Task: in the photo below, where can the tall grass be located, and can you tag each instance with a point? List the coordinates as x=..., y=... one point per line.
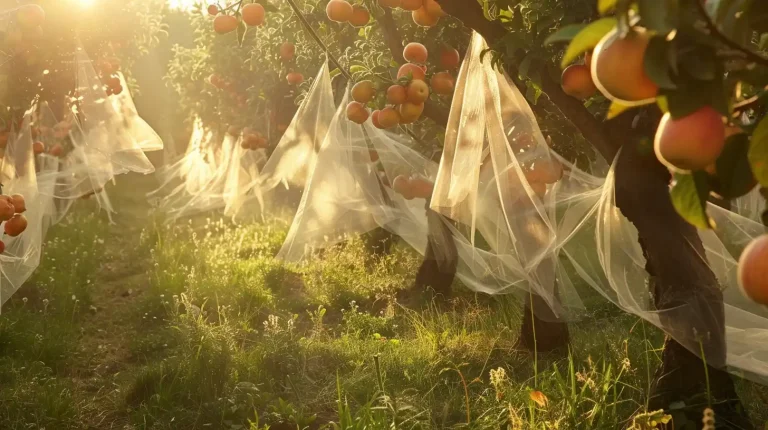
x=217, y=334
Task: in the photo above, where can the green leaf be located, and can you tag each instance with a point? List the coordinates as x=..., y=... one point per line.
x=689, y=197
x=734, y=175
x=564, y=34
x=587, y=39
x=662, y=103
x=605, y=6
x=700, y=64
x=692, y=95
x=616, y=109
x=658, y=15
x=758, y=152
x=732, y=19
x=525, y=65
x=656, y=62
x=763, y=44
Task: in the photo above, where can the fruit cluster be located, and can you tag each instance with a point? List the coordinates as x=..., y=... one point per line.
x=287, y=53
x=406, y=97
x=616, y=69
x=252, y=14
x=224, y=84
x=12, y=210
x=413, y=187
x=341, y=11
x=425, y=13
x=54, y=135
x=253, y=140
x=108, y=69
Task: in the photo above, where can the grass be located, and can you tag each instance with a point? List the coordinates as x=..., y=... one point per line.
x=138, y=325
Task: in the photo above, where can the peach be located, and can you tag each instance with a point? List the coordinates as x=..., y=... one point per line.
x=397, y=94
x=442, y=83
x=577, y=82
x=753, y=270
x=253, y=14
x=692, y=142
x=363, y=91
x=618, y=70
x=224, y=24
x=339, y=11
x=415, y=53
x=357, y=113
x=418, y=91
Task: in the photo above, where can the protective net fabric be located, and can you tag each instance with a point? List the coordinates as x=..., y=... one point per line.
x=105, y=130
x=81, y=171
x=47, y=176
x=342, y=194
x=616, y=267
x=144, y=136
x=173, y=175
x=523, y=220
x=242, y=194
x=206, y=192
x=750, y=206
x=22, y=253
x=213, y=175
x=182, y=181
x=514, y=201
x=296, y=152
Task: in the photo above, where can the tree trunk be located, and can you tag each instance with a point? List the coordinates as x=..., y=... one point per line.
x=541, y=329
x=679, y=277
x=438, y=268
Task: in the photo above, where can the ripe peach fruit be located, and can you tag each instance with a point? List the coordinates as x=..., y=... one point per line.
x=577, y=82
x=618, y=71
x=753, y=270
x=692, y=142
x=253, y=14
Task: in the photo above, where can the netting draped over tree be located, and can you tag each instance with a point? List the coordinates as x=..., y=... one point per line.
x=490, y=183
x=22, y=252
x=144, y=136
x=295, y=155
x=107, y=131
x=514, y=199
x=215, y=174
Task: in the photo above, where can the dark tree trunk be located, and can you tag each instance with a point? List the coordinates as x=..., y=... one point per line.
x=679, y=277
x=541, y=329
x=438, y=269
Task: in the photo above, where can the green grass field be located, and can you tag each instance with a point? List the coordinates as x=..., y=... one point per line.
x=138, y=325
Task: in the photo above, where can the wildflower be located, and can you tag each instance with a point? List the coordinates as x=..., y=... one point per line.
x=498, y=376
x=709, y=419
x=540, y=398
x=626, y=364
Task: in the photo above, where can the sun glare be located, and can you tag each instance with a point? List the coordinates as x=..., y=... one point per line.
x=87, y=3
x=183, y=4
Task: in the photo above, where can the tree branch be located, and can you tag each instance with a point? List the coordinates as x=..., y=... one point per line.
x=725, y=40
x=395, y=43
